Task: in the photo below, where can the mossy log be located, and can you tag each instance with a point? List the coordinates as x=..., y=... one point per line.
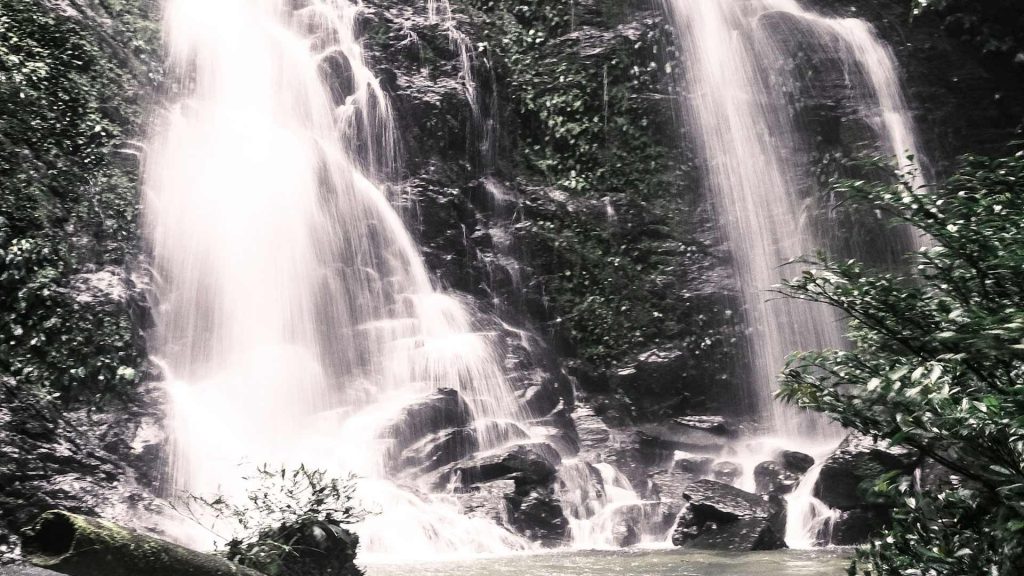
x=81, y=546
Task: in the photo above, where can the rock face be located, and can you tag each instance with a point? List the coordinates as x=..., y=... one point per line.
x=856, y=463
x=846, y=478
x=527, y=464
x=439, y=449
x=855, y=527
x=720, y=517
x=440, y=411
x=537, y=514
x=53, y=457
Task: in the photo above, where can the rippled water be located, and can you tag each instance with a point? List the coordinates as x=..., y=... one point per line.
x=822, y=562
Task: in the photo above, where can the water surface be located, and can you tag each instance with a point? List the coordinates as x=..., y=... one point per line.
x=826, y=562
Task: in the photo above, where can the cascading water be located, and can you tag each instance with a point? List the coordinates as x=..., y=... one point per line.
x=738, y=72
x=295, y=318
x=734, y=65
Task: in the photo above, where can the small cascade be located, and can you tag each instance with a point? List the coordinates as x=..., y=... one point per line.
x=738, y=72
x=604, y=511
x=808, y=520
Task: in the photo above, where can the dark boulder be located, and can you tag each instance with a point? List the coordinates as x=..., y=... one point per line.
x=487, y=501
x=440, y=449
x=716, y=425
x=501, y=432
x=720, y=517
x=628, y=525
x=528, y=464
x=771, y=478
x=539, y=400
x=437, y=412
x=855, y=527
x=537, y=515
x=796, y=462
x=727, y=472
x=935, y=477
x=696, y=465
x=667, y=488
x=856, y=464
x=320, y=548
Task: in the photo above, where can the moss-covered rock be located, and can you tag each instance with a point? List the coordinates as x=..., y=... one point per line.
x=83, y=546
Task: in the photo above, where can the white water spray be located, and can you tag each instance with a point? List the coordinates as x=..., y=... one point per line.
x=294, y=313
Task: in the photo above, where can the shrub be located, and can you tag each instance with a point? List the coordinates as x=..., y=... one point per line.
x=291, y=523
x=937, y=363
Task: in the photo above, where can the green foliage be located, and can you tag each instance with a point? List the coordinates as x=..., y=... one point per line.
x=282, y=507
x=938, y=365
x=995, y=27
x=622, y=286
x=69, y=87
x=590, y=101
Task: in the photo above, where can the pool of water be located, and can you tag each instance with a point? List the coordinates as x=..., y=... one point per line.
x=823, y=562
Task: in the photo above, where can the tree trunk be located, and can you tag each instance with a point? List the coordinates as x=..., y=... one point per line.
x=81, y=546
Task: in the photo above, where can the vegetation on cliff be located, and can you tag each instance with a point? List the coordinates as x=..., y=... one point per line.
x=937, y=364
x=617, y=237
x=71, y=86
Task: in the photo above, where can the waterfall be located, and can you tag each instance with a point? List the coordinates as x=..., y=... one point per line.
x=737, y=65
x=809, y=520
x=294, y=315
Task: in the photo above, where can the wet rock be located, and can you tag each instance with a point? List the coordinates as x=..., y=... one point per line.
x=716, y=425
x=720, y=517
x=855, y=527
x=696, y=465
x=771, y=478
x=437, y=412
x=320, y=549
x=796, y=462
x=56, y=457
x=628, y=526
x=668, y=488
x=654, y=371
x=858, y=462
x=488, y=501
x=935, y=477
x=441, y=449
x=538, y=516
x=539, y=400
x=527, y=464
x=594, y=434
x=502, y=431
x=25, y=570
x=727, y=472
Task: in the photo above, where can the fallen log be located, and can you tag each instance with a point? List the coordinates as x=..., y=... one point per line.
x=81, y=546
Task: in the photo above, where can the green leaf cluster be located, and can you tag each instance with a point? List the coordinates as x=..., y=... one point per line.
x=994, y=27
x=937, y=364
